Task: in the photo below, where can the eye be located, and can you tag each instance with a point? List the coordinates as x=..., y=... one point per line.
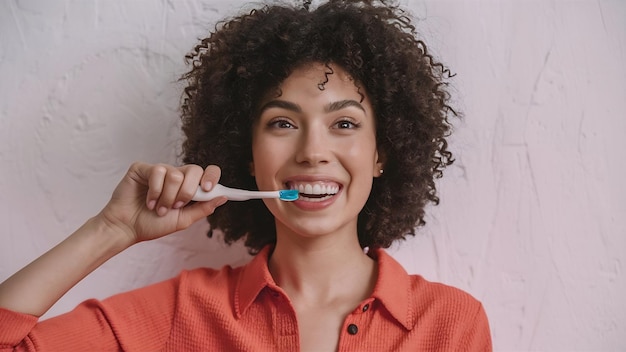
x=280, y=123
x=346, y=124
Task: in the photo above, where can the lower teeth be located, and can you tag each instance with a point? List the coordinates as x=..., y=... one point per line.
x=315, y=200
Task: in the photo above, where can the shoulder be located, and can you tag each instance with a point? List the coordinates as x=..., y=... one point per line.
x=449, y=312
x=440, y=297
x=208, y=279
x=168, y=294
x=413, y=299
x=209, y=274
x=415, y=293
x=432, y=310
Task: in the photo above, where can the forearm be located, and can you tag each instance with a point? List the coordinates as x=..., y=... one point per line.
x=35, y=288
x=141, y=208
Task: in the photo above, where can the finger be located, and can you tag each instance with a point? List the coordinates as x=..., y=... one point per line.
x=210, y=177
x=193, y=174
x=156, y=178
x=171, y=186
x=139, y=173
x=199, y=210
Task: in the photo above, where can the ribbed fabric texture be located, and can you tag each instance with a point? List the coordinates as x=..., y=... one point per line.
x=242, y=309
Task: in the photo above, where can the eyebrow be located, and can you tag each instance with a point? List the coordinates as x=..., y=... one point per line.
x=282, y=104
x=334, y=106
x=342, y=104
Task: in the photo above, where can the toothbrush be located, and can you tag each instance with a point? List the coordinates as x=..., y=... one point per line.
x=240, y=194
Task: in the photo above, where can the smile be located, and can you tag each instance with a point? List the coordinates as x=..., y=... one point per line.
x=314, y=192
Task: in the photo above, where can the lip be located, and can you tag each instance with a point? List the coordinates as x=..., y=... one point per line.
x=318, y=179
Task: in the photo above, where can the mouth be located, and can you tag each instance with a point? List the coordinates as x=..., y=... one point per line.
x=314, y=191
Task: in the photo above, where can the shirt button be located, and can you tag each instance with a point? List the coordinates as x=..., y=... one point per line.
x=353, y=329
x=366, y=307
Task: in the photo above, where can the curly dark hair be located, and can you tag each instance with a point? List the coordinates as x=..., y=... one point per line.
x=375, y=42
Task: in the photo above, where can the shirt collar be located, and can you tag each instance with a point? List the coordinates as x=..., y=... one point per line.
x=255, y=276
x=392, y=289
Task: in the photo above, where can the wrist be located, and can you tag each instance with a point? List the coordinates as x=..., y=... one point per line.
x=115, y=237
x=35, y=288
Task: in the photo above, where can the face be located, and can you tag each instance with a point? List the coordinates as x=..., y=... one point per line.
x=321, y=142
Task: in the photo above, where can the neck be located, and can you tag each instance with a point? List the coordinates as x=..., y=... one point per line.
x=322, y=270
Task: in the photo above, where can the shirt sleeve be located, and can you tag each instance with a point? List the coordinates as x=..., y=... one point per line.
x=135, y=320
x=477, y=337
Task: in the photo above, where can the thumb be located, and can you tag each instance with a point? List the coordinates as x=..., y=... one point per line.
x=211, y=177
x=194, y=212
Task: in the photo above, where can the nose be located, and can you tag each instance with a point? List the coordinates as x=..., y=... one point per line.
x=313, y=147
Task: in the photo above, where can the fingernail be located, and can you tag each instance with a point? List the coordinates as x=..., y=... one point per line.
x=151, y=204
x=179, y=204
x=207, y=185
x=162, y=211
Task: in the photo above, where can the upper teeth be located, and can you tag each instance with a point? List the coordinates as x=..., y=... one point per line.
x=318, y=189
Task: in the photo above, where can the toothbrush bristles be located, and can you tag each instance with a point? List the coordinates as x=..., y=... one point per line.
x=288, y=195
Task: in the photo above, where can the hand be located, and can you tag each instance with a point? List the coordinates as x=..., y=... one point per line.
x=151, y=201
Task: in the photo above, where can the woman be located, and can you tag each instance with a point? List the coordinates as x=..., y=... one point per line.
x=341, y=102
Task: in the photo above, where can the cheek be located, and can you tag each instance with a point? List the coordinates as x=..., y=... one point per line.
x=265, y=163
x=362, y=152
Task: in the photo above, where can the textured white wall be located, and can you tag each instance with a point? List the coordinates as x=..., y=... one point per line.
x=531, y=220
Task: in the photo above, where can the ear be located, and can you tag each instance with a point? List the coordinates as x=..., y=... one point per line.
x=379, y=170
x=379, y=166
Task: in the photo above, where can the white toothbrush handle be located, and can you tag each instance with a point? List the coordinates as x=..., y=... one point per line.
x=231, y=194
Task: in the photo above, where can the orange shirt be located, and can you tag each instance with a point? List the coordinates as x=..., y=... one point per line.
x=242, y=309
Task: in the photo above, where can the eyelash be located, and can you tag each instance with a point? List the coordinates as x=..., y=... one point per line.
x=353, y=124
x=281, y=123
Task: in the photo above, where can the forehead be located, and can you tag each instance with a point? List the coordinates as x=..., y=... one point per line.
x=316, y=83
x=318, y=77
